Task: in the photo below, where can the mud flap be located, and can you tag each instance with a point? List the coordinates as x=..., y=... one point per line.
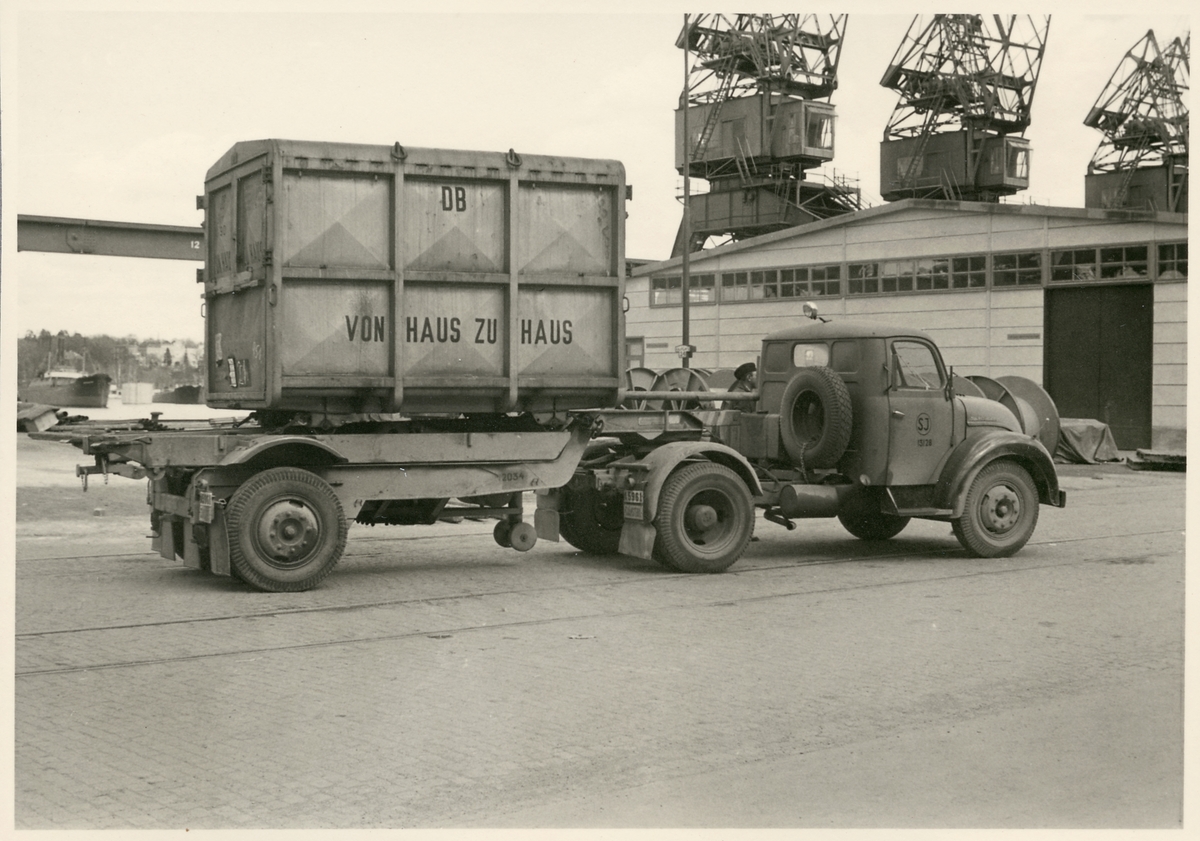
x=218, y=544
x=637, y=540
x=545, y=516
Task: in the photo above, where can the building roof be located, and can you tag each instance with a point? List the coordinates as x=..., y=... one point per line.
x=893, y=208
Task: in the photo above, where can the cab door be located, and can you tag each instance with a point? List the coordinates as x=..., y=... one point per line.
x=919, y=412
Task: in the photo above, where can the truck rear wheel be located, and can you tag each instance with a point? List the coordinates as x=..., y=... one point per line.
x=705, y=518
x=863, y=518
x=590, y=520
x=286, y=530
x=815, y=417
x=1000, y=512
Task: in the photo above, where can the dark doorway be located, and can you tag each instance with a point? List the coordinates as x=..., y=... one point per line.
x=1099, y=355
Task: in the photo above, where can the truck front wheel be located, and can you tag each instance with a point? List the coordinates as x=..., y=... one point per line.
x=705, y=518
x=286, y=530
x=1000, y=512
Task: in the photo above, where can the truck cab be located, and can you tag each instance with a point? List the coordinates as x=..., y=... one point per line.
x=902, y=419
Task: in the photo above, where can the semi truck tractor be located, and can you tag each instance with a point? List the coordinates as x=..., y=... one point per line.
x=414, y=335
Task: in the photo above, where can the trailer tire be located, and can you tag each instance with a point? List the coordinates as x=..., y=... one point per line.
x=287, y=530
x=591, y=521
x=1000, y=511
x=705, y=518
x=863, y=518
x=815, y=417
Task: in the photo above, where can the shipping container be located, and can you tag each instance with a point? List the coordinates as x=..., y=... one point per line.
x=351, y=279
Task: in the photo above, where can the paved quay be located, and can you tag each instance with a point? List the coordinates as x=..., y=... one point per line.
x=437, y=681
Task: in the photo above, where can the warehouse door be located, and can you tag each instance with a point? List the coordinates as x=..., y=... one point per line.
x=1099, y=349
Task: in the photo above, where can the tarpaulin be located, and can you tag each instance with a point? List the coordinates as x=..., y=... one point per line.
x=1085, y=441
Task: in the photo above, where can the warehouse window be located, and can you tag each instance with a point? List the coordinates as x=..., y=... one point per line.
x=863, y=278
x=666, y=291
x=1172, y=261
x=764, y=284
x=793, y=283
x=1124, y=262
x=896, y=275
x=810, y=282
x=1017, y=269
x=1078, y=264
x=735, y=286
x=826, y=280
x=933, y=273
x=968, y=272
x=702, y=288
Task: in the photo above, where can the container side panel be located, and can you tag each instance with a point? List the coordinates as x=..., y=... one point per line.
x=454, y=330
x=566, y=331
x=454, y=226
x=336, y=328
x=237, y=364
x=565, y=230
x=251, y=224
x=336, y=221
x=220, y=221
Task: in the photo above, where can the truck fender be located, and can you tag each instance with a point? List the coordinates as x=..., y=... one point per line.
x=978, y=451
x=316, y=452
x=663, y=460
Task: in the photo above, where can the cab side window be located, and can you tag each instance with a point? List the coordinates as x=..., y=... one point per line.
x=914, y=366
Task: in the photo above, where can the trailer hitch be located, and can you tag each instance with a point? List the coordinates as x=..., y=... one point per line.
x=103, y=467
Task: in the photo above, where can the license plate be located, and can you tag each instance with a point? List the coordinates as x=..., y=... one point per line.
x=633, y=505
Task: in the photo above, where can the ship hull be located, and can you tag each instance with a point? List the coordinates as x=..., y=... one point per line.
x=90, y=392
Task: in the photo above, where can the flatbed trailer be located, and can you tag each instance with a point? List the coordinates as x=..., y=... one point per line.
x=272, y=506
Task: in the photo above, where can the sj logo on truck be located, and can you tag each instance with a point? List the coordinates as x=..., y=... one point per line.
x=923, y=427
x=454, y=198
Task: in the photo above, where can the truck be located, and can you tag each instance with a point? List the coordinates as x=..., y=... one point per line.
x=422, y=335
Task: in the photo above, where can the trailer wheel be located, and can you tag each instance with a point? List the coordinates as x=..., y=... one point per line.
x=590, y=520
x=286, y=528
x=862, y=518
x=815, y=417
x=705, y=518
x=502, y=533
x=522, y=536
x=1000, y=513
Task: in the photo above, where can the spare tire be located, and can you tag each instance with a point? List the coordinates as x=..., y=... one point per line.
x=815, y=417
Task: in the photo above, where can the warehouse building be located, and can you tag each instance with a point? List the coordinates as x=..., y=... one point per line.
x=1090, y=303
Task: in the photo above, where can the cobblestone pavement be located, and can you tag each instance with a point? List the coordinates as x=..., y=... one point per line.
x=435, y=680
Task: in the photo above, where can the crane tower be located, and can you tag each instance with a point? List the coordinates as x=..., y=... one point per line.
x=966, y=85
x=758, y=116
x=1142, y=161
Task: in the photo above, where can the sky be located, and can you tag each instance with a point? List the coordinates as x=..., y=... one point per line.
x=115, y=111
